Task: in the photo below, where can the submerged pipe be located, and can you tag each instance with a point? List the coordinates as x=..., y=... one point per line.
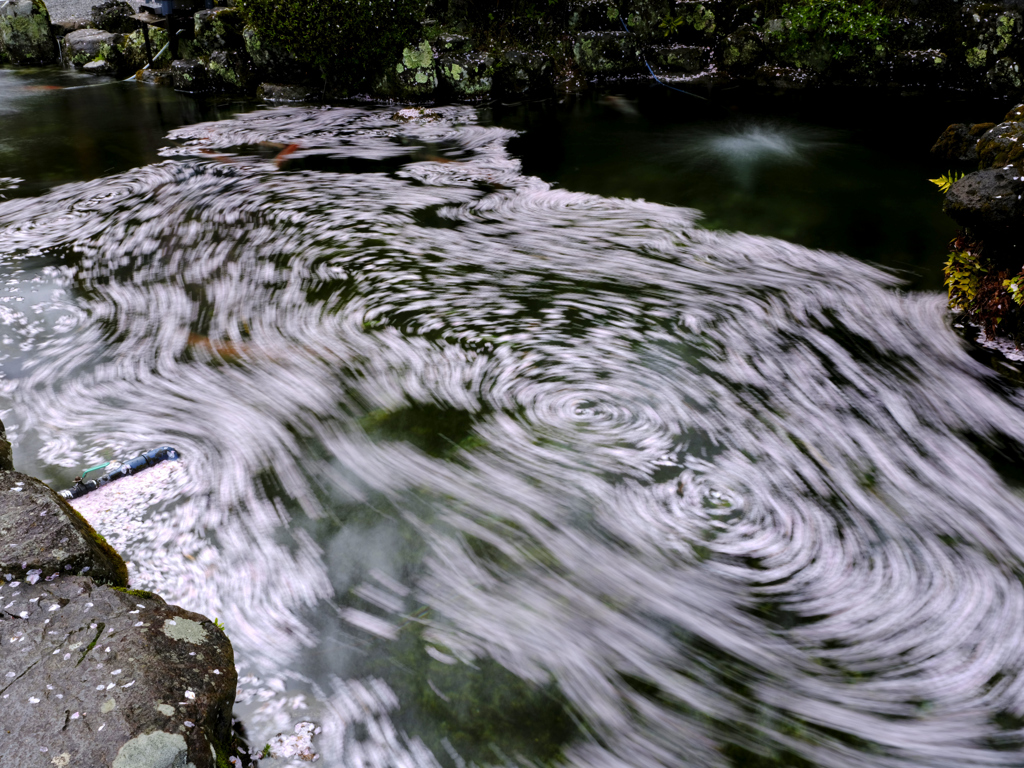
x=143, y=461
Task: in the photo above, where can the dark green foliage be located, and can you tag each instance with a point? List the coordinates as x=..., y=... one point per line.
x=346, y=41
x=844, y=28
x=912, y=8
x=523, y=21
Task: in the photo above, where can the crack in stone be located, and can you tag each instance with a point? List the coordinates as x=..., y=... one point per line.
x=29, y=669
x=99, y=631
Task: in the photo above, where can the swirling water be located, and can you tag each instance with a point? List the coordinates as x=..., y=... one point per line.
x=482, y=471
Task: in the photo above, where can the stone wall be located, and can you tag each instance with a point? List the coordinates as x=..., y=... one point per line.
x=971, y=45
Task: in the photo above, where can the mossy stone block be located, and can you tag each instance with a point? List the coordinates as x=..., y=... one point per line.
x=743, y=49
x=218, y=29
x=191, y=76
x=25, y=34
x=85, y=45
x=687, y=59
x=605, y=53
x=413, y=77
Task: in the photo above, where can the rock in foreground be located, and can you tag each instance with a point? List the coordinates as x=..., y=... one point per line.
x=97, y=676
x=91, y=673
x=40, y=534
x=988, y=200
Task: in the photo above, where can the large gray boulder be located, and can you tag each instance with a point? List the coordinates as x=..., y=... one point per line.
x=988, y=201
x=84, y=45
x=41, y=535
x=25, y=35
x=96, y=676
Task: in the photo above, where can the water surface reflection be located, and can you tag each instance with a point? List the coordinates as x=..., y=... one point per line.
x=480, y=470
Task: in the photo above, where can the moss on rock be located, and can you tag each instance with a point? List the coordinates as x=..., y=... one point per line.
x=346, y=41
x=25, y=35
x=1002, y=145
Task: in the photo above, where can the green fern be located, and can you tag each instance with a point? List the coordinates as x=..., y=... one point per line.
x=963, y=278
x=946, y=181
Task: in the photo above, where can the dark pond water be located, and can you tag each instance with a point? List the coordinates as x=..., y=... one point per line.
x=487, y=465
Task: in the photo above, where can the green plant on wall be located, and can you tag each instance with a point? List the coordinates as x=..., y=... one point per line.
x=843, y=28
x=346, y=41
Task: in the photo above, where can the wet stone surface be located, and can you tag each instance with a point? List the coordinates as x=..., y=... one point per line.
x=41, y=535
x=92, y=675
x=988, y=200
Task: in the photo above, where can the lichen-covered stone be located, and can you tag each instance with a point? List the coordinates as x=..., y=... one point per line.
x=1015, y=114
x=414, y=77
x=467, y=76
x=40, y=534
x=96, y=676
x=190, y=76
x=84, y=45
x=605, y=53
x=25, y=34
x=1002, y=145
x=64, y=26
x=287, y=94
